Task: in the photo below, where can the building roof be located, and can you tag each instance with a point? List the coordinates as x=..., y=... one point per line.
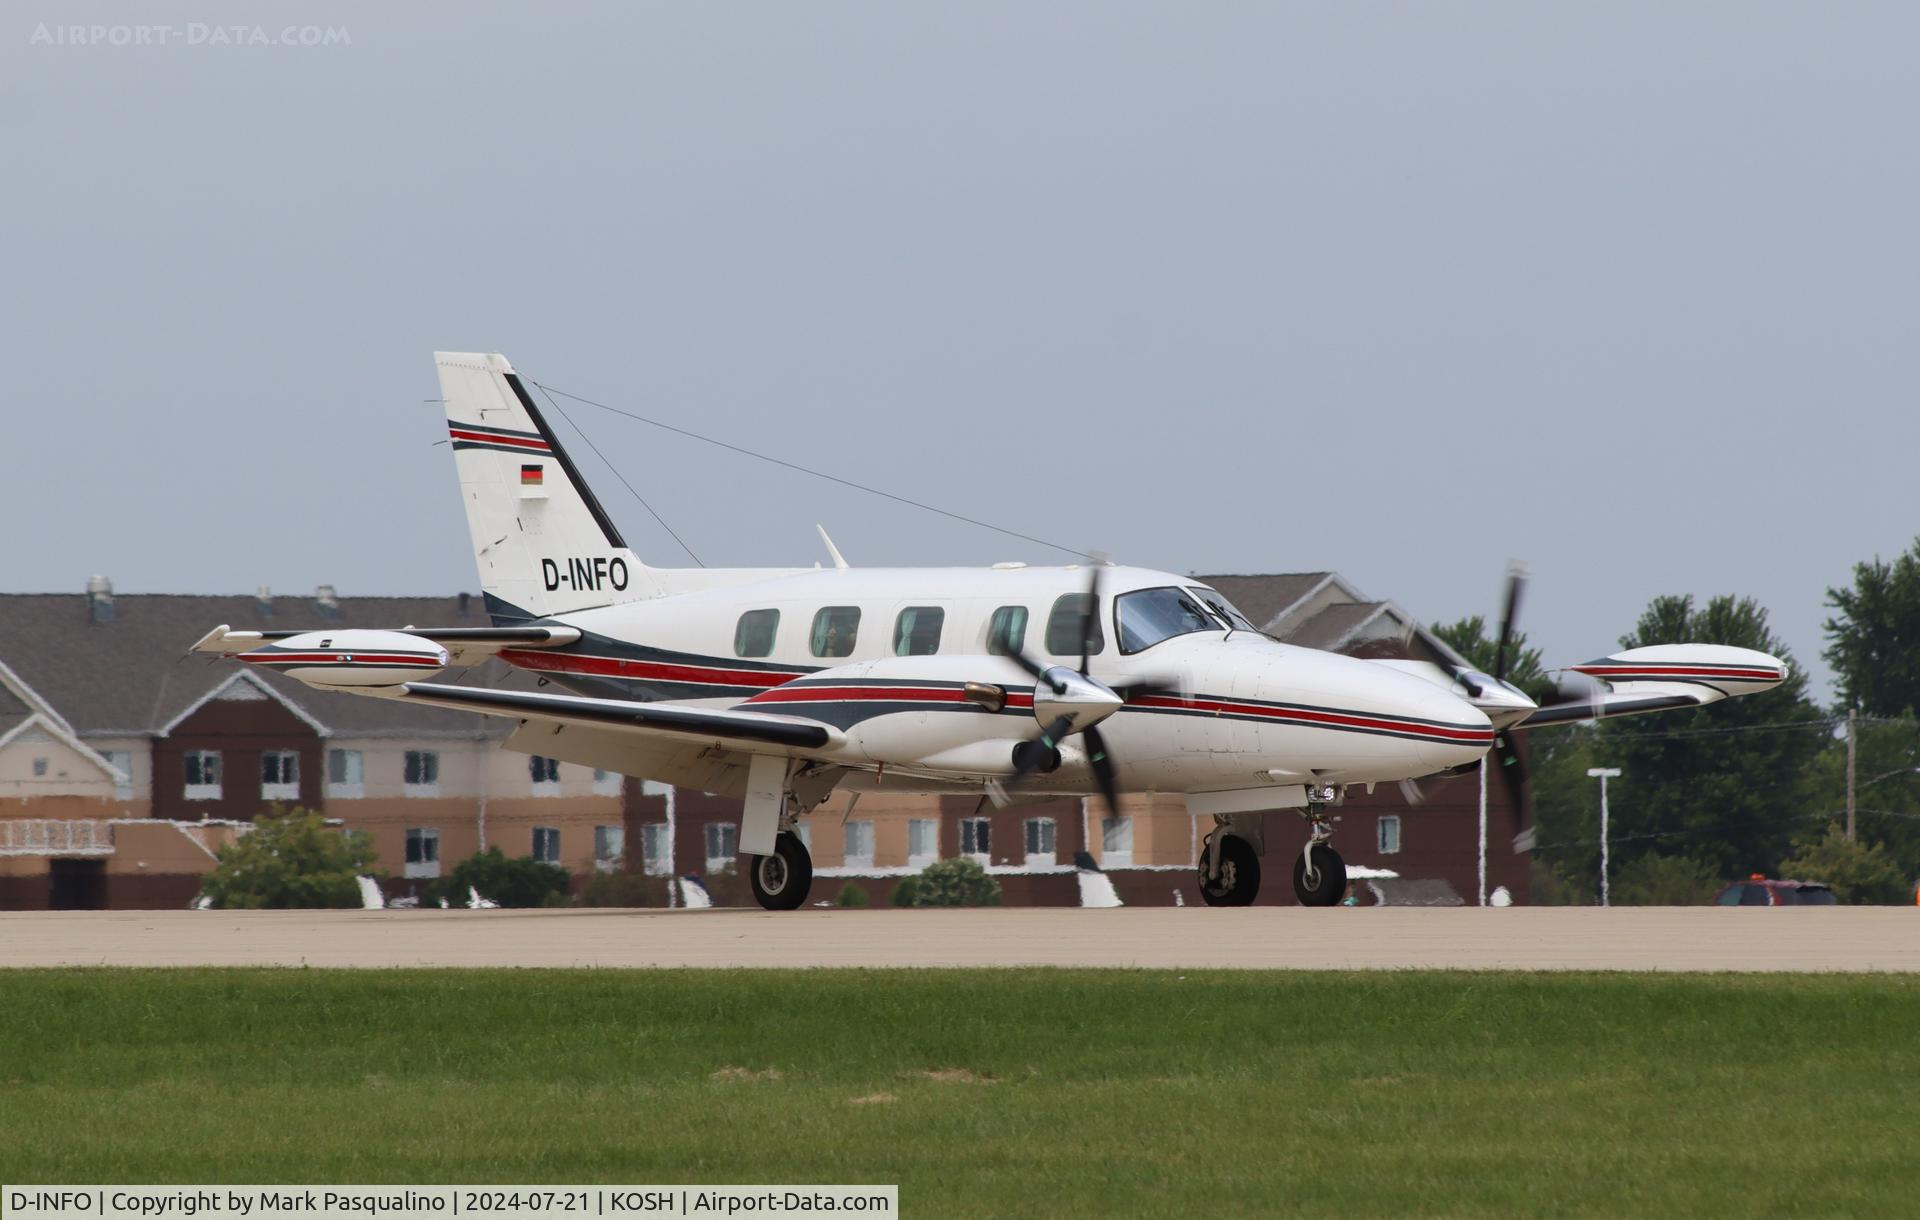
x=13, y=711
x=132, y=675
x=1265, y=599
x=1332, y=626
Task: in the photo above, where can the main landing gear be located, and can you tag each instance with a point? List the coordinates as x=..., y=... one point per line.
x=781, y=881
x=1230, y=862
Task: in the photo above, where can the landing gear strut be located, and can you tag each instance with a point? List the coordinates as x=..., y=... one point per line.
x=781, y=881
x=1319, y=875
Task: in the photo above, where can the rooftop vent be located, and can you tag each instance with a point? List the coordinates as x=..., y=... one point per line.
x=100, y=598
x=326, y=603
x=466, y=600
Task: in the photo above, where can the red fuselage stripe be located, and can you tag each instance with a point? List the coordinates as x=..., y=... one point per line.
x=1347, y=720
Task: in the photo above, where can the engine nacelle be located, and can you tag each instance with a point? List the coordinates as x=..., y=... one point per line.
x=351, y=657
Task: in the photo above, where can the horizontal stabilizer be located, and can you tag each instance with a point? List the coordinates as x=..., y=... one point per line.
x=464, y=645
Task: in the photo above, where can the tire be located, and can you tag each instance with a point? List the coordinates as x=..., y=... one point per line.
x=781, y=881
x=1239, y=880
x=1329, y=882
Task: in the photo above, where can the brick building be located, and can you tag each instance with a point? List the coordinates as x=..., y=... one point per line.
x=125, y=763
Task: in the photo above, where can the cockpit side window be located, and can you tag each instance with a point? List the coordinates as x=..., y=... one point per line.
x=1063, y=626
x=1147, y=616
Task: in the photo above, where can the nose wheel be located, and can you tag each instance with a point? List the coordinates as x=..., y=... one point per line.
x=1232, y=881
x=1319, y=875
x=781, y=881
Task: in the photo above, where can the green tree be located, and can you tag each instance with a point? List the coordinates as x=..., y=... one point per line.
x=1470, y=638
x=518, y=882
x=291, y=859
x=1874, y=636
x=959, y=882
x=852, y=895
x=1725, y=784
x=1656, y=880
x=1858, y=871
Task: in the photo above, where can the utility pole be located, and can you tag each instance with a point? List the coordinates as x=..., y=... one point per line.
x=1483, y=830
x=1603, y=774
x=1853, y=727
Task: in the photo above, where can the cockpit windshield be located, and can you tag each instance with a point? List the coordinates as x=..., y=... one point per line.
x=1225, y=609
x=1147, y=616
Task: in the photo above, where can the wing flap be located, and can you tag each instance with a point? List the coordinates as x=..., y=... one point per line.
x=754, y=732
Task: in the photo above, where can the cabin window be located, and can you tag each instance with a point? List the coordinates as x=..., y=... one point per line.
x=916, y=633
x=1007, y=632
x=1148, y=616
x=754, y=636
x=834, y=631
x=1063, y=626
x=1389, y=834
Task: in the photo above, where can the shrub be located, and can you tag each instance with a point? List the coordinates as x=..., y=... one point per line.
x=1858, y=871
x=959, y=882
x=1655, y=880
x=903, y=893
x=852, y=895
x=519, y=882
x=625, y=890
x=290, y=859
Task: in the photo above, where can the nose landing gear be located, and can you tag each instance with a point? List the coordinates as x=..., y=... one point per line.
x=1319, y=875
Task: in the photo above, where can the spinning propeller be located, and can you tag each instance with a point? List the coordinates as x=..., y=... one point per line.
x=1067, y=701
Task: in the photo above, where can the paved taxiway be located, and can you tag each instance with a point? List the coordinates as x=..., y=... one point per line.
x=1520, y=938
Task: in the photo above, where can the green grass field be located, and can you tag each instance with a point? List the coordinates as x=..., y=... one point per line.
x=989, y=1092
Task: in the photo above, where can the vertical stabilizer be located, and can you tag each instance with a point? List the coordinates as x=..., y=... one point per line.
x=541, y=540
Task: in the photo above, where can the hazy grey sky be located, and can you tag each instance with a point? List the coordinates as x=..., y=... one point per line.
x=1403, y=290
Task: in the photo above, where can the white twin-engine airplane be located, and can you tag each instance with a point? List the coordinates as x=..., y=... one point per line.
x=779, y=685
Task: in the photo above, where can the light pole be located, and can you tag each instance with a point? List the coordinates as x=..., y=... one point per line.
x=1603, y=774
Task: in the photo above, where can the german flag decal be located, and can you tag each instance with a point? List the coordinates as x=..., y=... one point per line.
x=532, y=475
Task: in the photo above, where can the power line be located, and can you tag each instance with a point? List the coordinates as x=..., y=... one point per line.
x=818, y=474
x=616, y=474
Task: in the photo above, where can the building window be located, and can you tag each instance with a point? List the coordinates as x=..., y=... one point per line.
x=976, y=837
x=607, y=783
x=723, y=844
x=923, y=841
x=609, y=844
x=1007, y=631
x=916, y=633
x=203, y=775
x=1116, y=842
x=423, y=773
x=1063, y=627
x=1389, y=834
x=423, y=851
x=753, y=637
x=858, y=838
x=546, y=844
x=546, y=775
x=834, y=630
x=346, y=773
x=657, y=849
x=122, y=761
x=1040, y=843
x=279, y=775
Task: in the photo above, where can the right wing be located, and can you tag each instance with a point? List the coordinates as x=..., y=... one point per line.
x=751, y=732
